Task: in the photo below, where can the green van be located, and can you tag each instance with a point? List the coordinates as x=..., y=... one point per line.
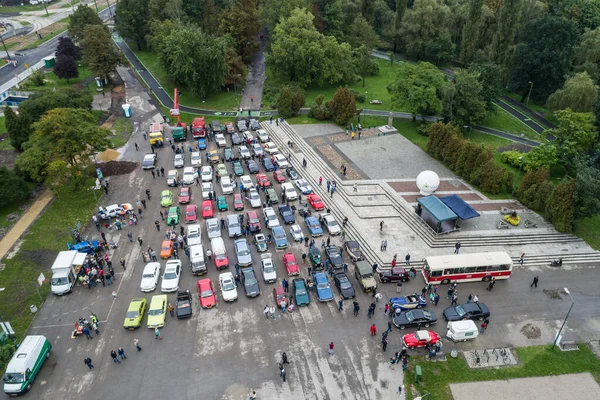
x=26, y=364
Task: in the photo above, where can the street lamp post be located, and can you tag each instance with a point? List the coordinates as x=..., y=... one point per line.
x=529, y=94
x=96, y=4
x=565, y=320
x=470, y=130
x=109, y=9
x=365, y=110
x=5, y=49
x=46, y=8
x=518, y=174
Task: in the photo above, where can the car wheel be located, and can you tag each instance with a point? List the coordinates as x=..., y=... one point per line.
x=402, y=327
x=427, y=325
x=383, y=280
x=412, y=347
x=28, y=388
x=486, y=278
x=446, y=281
x=480, y=318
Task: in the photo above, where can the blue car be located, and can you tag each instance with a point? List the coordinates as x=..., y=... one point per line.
x=84, y=247
x=324, y=292
x=409, y=302
x=280, y=237
x=268, y=165
x=314, y=227
x=202, y=144
x=300, y=292
x=287, y=214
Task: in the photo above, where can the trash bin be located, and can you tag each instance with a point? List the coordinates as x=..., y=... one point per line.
x=49, y=61
x=398, y=287
x=33, y=308
x=126, y=110
x=418, y=373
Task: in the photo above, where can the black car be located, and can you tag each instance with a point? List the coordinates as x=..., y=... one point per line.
x=418, y=318
x=184, y=304
x=268, y=165
x=236, y=139
x=252, y=166
x=287, y=214
x=467, y=311
x=344, y=286
x=335, y=258
x=250, y=283
x=353, y=249
x=254, y=125
x=292, y=174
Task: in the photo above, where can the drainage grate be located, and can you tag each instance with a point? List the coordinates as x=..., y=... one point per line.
x=370, y=198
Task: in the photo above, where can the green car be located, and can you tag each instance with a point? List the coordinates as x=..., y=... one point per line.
x=261, y=242
x=166, y=198
x=222, y=203
x=228, y=153
x=315, y=256
x=238, y=170
x=222, y=170
x=135, y=313
x=271, y=195
x=173, y=216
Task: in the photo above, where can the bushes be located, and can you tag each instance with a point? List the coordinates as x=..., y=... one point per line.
x=340, y=108
x=512, y=157
x=561, y=206
x=319, y=110
x=358, y=96
x=290, y=101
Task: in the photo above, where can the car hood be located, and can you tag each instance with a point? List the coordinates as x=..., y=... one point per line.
x=245, y=260
x=348, y=292
x=148, y=284
x=450, y=314
x=169, y=285
x=302, y=299
x=229, y=295
x=368, y=282
x=326, y=293
x=252, y=289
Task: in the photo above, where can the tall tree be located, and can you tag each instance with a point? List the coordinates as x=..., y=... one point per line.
x=66, y=47
x=17, y=128
x=491, y=82
x=401, y=6
x=588, y=191
x=82, y=17
x=342, y=106
x=508, y=22
x=242, y=24
x=470, y=36
x=99, y=52
x=14, y=188
x=362, y=34
x=418, y=88
x=544, y=57
x=65, y=67
x=584, y=13
x=587, y=54
x=575, y=134
x=368, y=10
x=332, y=15
x=464, y=103
x=363, y=63
x=272, y=11
x=579, y=93
x=423, y=26
x=210, y=16
x=560, y=207
x=133, y=20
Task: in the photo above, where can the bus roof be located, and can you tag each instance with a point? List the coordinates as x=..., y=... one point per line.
x=468, y=260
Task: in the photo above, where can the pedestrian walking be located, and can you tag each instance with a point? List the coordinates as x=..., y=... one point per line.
x=144, y=203
x=356, y=308
x=130, y=236
x=306, y=242
x=113, y=354
x=283, y=374
x=373, y=330
x=95, y=327
x=340, y=304
x=521, y=259
x=469, y=298
x=88, y=361
x=381, y=247
x=355, y=187
x=153, y=174
x=456, y=247
x=386, y=309
x=121, y=352
x=162, y=171
x=171, y=309
x=157, y=333
x=400, y=389
x=157, y=224
x=328, y=186
x=162, y=216
x=535, y=282
x=384, y=344
x=320, y=181
x=331, y=351
x=86, y=332
x=381, y=226
x=407, y=259
x=389, y=328
x=266, y=311
x=284, y=359
x=148, y=193
x=436, y=299
x=371, y=310
x=140, y=241
x=136, y=343
x=491, y=284
x=454, y=299
x=475, y=299
x=285, y=285
x=484, y=326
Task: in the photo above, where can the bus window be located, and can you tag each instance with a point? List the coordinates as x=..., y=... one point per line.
x=504, y=267
x=449, y=271
x=436, y=273
x=481, y=269
x=470, y=270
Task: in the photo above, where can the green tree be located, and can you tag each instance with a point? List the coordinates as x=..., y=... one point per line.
x=332, y=16
x=66, y=139
x=587, y=199
x=464, y=102
x=342, y=106
x=490, y=77
x=560, y=208
x=418, y=88
x=291, y=99
x=80, y=19
x=584, y=13
x=363, y=63
x=14, y=188
x=508, y=22
x=17, y=128
x=133, y=20
x=66, y=47
x=194, y=60
x=99, y=52
x=575, y=135
x=368, y=10
x=242, y=24
x=424, y=25
x=536, y=197
x=587, y=54
x=362, y=34
x=544, y=57
x=273, y=11
x=578, y=93
x=543, y=156
x=157, y=8
x=532, y=178
x=492, y=177
x=470, y=35
x=210, y=16
x=401, y=6
x=65, y=68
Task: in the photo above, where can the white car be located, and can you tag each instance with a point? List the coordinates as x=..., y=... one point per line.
x=178, y=162
x=194, y=235
x=173, y=178
x=290, y=192
x=149, y=161
x=271, y=148
x=296, y=233
x=150, y=277
x=189, y=175
x=227, y=284
x=220, y=139
x=226, y=185
x=253, y=198
x=303, y=186
x=246, y=182
x=196, y=159
x=206, y=173
x=330, y=224
x=257, y=150
x=268, y=268
x=244, y=152
x=280, y=161
x=213, y=228
x=263, y=136
x=248, y=136
x=271, y=219
x=170, y=279
x=207, y=188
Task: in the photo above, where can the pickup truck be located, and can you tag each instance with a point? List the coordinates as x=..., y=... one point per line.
x=184, y=304
x=364, y=275
x=179, y=133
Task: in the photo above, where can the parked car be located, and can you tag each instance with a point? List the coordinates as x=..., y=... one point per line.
x=353, y=250
x=314, y=253
x=396, y=274
x=173, y=178
x=300, y=292
x=271, y=148
x=178, y=161
x=253, y=198
x=191, y=213
x=229, y=128
x=208, y=210
x=206, y=293
x=226, y=185
x=185, y=195
x=206, y=173
x=296, y=233
x=238, y=169
x=166, y=198
x=477, y=311
x=262, y=135
x=314, y=227
x=279, y=176
x=234, y=229
x=246, y=182
x=242, y=252
x=268, y=268
x=166, y=249
x=238, y=203
x=303, y=186
x=292, y=174
x=236, y=140
x=252, y=166
x=290, y=264
x=253, y=221
x=213, y=228
x=173, y=216
x=279, y=237
x=222, y=170
x=420, y=339
x=228, y=288
x=287, y=214
x=189, y=175
x=184, y=304
x=418, y=318
x=280, y=161
x=364, y=275
x=272, y=196
x=289, y=191
x=170, y=278
x=270, y=217
x=194, y=234
x=260, y=241
x=334, y=256
x=409, y=302
x=324, y=292
x=315, y=201
x=196, y=159
x=150, y=277
x=341, y=281
x=222, y=203
x=228, y=154
x=268, y=164
x=244, y=153
x=149, y=161
x=220, y=140
x=207, y=189
x=263, y=181
x=135, y=314
x=249, y=281
x=241, y=125
x=327, y=220
x=157, y=311
x=257, y=150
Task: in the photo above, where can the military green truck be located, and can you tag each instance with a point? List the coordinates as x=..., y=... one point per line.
x=364, y=274
x=179, y=133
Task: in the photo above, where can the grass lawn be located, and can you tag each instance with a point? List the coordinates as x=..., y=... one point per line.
x=503, y=121
x=303, y=119
x=25, y=23
x=589, y=230
x=535, y=361
x=123, y=129
x=56, y=29
x=18, y=9
x=53, y=81
x=225, y=101
x=47, y=15
x=2, y=62
x=46, y=237
x=9, y=209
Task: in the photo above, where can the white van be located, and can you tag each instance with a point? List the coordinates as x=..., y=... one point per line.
x=194, y=236
x=197, y=259
x=290, y=192
x=462, y=330
x=63, y=270
x=26, y=364
x=219, y=253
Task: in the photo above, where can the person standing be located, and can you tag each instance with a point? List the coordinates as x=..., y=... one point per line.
x=386, y=309
x=157, y=333
x=266, y=311
x=86, y=332
x=340, y=304
x=157, y=224
x=522, y=259
x=331, y=351
x=113, y=354
x=88, y=361
x=136, y=343
x=407, y=258
x=373, y=330
x=121, y=352
x=283, y=374
x=454, y=299
x=389, y=329
x=355, y=187
x=140, y=241
x=484, y=326
x=285, y=285
x=171, y=309
x=356, y=308
x=436, y=299
x=469, y=298
x=130, y=236
x=272, y=311
x=456, y=247
x=384, y=343
x=535, y=282
x=475, y=299
x=284, y=359
x=381, y=226
x=491, y=285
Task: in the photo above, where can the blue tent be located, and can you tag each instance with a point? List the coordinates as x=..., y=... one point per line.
x=437, y=209
x=460, y=207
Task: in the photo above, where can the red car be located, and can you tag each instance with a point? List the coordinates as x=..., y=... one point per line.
x=279, y=176
x=279, y=294
x=208, y=210
x=420, y=339
x=315, y=201
x=263, y=181
x=291, y=265
x=253, y=221
x=206, y=293
x=191, y=213
x=238, y=203
x=184, y=195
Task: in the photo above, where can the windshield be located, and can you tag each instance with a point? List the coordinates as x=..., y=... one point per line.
x=190, y=213
x=409, y=316
x=59, y=281
x=243, y=252
x=271, y=217
x=253, y=195
x=148, y=162
x=287, y=213
x=166, y=196
x=300, y=292
x=460, y=311
x=269, y=269
x=254, y=220
x=206, y=172
x=345, y=285
x=206, y=293
x=206, y=208
x=228, y=285
x=213, y=228
x=149, y=275
x=132, y=314
x=234, y=224
x=193, y=235
x=279, y=235
x=220, y=257
x=166, y=248
x=14, y=377
x=322, y=286
x=172, y=214
x=159, y=311
x=332, y=223
x=250, y=281
x=313, y=224
x=170, y=275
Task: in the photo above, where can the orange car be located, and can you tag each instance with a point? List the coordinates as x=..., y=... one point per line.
x=166, y=249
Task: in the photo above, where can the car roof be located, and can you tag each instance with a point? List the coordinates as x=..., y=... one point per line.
x=156, y=300
x=190, y=207
x=151, y=267
x=134, y=304
x=164, y=192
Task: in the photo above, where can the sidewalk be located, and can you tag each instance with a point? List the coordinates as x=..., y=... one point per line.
x=24, y=223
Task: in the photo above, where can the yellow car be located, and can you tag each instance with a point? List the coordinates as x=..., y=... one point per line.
x=157, y=312
x=135, y=313
x=214, y=156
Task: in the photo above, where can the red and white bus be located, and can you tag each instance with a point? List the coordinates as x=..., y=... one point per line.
x=199, y=127
x=477, y=267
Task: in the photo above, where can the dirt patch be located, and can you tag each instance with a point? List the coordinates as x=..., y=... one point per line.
x=8, y=157
x=554, y=294
x=113, y=168
x=109, y=156
x=531, y=331
x=39, y=257
x=520, y=147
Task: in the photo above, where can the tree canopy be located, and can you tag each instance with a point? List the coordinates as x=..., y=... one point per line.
x=99, y=52
x=132, y=20
x=273, y=11
x=579, y=93
x=243, y=25
x=464, y=102
x=82, y=17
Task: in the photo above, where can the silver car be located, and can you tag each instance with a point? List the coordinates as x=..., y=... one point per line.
x=178, y=162
x=213, y=228
x=257, y=150
x=242, y=252
x=234, y=228
x=244, y=153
